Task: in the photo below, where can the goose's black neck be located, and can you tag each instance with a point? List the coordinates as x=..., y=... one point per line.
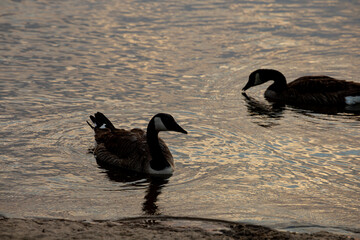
x=278, y=78
x=158, y=161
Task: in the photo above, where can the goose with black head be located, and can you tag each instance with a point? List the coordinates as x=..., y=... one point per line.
x=135, y=149
x=307, y=90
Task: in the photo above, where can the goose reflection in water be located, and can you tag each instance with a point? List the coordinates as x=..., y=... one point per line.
x=267, y=113
x=274, y=110
x=154, y=186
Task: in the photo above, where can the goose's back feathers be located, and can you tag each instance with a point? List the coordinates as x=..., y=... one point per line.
x=314, y=84
x=321, y=90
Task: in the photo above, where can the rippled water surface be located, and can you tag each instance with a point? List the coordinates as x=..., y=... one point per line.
x=243, y=159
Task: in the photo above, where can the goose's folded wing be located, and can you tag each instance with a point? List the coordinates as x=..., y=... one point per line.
x=125, y=144
x=321, y=84
x=127, y=149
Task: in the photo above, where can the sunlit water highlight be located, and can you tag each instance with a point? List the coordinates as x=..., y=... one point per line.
x=243, y=159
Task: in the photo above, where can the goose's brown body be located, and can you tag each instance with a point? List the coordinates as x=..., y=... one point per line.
x=135, y=149
x=127, y=149
x=319, y=90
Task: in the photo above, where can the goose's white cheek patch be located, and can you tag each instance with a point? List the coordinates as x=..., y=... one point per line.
x=159, y=125
x=351, y=100
x=257, y=79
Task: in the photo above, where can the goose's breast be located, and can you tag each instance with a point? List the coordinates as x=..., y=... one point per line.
x=270, y=94
x=165, y=171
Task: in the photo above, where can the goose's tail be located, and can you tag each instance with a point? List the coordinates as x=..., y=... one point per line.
x=101, y=122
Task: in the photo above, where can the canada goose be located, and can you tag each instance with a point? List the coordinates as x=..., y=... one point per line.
x=135, y=149
x=317, y=90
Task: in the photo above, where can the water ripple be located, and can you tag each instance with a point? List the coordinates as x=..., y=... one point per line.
x=243, y=159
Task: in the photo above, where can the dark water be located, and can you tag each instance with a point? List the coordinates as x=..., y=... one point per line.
x=242, y=160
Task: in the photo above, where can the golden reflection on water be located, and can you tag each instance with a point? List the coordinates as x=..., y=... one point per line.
x=244, y=159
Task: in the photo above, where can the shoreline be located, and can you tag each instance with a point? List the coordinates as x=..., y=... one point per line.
x=151, y=227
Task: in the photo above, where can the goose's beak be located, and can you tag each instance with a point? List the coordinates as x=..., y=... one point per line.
x=177, y=128
x=247, y=86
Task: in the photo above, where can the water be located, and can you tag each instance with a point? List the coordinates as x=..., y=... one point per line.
x=242, y=160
